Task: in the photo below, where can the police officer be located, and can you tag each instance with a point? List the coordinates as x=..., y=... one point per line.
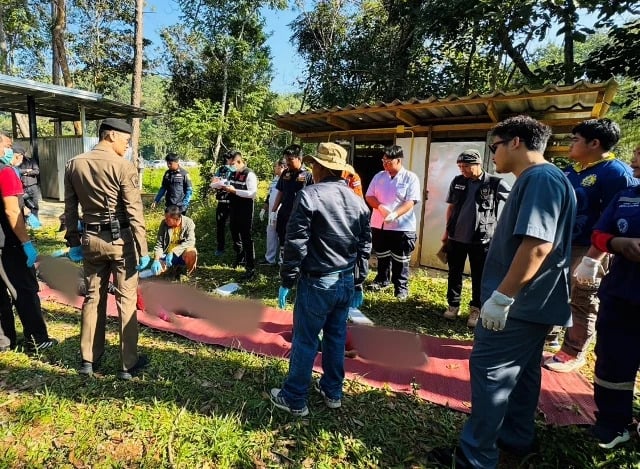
x=472, y=215
x=295, y=178
x=223, y=208
x=242, y=189
x=113, y=241
x=176, y=186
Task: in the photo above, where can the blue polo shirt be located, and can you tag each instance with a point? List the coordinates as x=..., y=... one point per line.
x=541, y=205
x=622, y=218
x=595, y=187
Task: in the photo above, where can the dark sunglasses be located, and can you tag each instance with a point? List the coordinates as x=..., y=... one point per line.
x=494, y=146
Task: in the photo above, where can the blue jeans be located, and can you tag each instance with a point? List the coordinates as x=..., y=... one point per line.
x=505, y=386
x=322, y=304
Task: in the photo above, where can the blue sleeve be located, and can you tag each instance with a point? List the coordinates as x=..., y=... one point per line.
x=606, y=223
x=540, y=207
x=187, y=196
x=619, y=179
x=160, y=194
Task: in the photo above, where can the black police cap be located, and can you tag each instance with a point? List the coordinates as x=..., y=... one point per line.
x=119, y=125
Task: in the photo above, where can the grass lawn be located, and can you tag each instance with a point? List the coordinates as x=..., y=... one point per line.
x=200, y=406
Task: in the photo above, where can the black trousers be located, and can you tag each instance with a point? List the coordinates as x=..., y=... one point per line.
x=393, y=250
x=456, y=257
x=281, y=225
x=33, y=193
x=222, y=215
x=27, y=302
x=241, y=224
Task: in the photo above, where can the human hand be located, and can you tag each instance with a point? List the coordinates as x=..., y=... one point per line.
x=587, y=271
x=384, y=210
x=627, y=247
x=75, y=253
x=282, y=297
x=144, y=260
x=273, y=218
x=358, y=298
x=495, y=311
x=33, y=221
x=261, y=214
x=31, y=253
x=392, y=216
x=168, y=259
x=153, y=204
x=156, y=267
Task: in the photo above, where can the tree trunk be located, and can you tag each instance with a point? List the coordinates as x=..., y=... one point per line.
x=136, y=88
x=4, y=52
x=515, y=55
x=569, y=20
x=223, y=105
x=57, y=36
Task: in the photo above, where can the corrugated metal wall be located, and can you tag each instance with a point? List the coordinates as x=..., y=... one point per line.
x=53, y=153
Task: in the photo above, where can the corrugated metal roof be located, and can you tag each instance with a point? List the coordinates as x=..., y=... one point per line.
x=560, y=105
x=59, y=102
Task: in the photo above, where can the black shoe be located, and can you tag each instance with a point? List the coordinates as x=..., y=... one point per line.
x=143, y=361
x=248, y=275
x=86, y=368
x=41, y=346
x=240, y=260
x=401, y=296
x=377, y=286
x=519, y=451
x=450, y=457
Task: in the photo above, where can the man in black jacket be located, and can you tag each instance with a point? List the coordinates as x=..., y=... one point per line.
x=472, y=214
x=326, y=251
x=30, y=177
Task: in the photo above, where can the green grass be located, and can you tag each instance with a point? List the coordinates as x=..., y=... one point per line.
x=200, y=406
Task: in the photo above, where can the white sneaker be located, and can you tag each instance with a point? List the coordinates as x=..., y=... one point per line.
x=451, y=312
x=474, y=314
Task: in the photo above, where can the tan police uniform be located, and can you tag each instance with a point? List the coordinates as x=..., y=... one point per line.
x=104, y=183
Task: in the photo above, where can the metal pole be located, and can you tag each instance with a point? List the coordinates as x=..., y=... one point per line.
x=33, y=127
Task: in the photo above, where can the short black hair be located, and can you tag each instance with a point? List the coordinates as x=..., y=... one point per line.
x=605, y=130
x=293, y=150
x=172, y=210
x=533, y=133
x=171, y=156
x=230, y=154
x=393, y=151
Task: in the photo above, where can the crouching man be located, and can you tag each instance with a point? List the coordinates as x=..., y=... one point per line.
x=176, y=243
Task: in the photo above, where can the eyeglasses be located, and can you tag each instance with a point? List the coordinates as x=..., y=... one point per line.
x=387, y=160
x=494, y=146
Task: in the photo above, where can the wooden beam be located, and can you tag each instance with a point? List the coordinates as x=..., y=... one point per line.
x=287, y=126
x=493, y=112
x=337, y=122
x=597, y=107
x=407, y=118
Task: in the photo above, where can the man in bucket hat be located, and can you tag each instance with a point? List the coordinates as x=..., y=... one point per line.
x=326, y=252
x=472, y=214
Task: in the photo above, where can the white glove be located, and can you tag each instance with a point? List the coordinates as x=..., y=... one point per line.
x=384, y=210
x=495, y=311
x=587, y=271
x=261, y=215
x=391, y=217
x=273, y=218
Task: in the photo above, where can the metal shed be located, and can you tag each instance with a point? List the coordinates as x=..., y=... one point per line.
x=18, y=95
x=434, y=131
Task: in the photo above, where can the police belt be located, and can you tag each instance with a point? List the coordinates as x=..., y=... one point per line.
x=98, y=227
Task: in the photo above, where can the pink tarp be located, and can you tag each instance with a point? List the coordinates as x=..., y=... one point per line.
x=565, y=398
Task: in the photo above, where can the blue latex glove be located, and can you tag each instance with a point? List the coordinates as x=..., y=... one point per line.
x=33, y=221
x=282, y=297
x=357, y=299
x=168, y=259
x=75, y=253
x=156, y=267
x=31, y=253
x=144, y=260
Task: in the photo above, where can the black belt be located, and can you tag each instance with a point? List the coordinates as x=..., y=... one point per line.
x=98, y=227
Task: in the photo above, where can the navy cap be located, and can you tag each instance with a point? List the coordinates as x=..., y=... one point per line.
x=18, y=148
x=470, y=157
x=119, y=125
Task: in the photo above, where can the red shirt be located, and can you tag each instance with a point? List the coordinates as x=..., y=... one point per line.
x=10, y=184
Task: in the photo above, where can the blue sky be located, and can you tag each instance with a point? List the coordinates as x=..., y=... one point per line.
x=287, y=65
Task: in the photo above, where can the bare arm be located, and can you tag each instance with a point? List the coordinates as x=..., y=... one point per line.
x=372, y=201
x=530, y=255
x=15, y=218
x=448, y=215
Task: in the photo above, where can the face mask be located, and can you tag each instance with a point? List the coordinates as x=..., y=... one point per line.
x=8, y=156
x=231, y=168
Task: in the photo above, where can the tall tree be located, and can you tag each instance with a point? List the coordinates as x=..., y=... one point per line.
x=136, y=85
